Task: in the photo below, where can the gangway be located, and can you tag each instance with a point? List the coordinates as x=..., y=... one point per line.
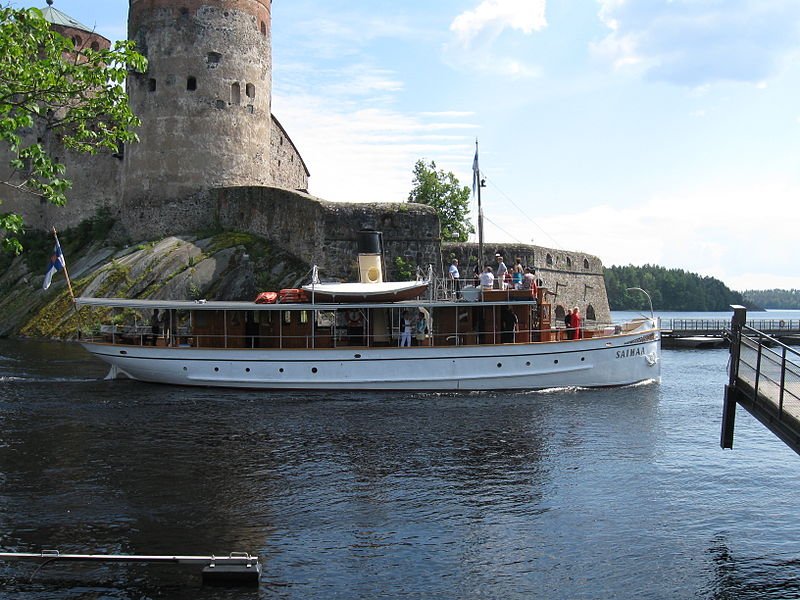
x=764, y=378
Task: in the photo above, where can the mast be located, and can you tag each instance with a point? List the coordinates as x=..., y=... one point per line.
x=478, y=182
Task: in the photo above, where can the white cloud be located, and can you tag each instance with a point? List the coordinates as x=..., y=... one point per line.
x=694, y=43
x=367, y=155
x=526, y=16
x=477, y=33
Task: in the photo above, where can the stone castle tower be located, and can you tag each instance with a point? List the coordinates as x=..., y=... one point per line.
x=205, y=100
x=205, y=106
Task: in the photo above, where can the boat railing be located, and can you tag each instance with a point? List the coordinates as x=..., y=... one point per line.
x=337, y=337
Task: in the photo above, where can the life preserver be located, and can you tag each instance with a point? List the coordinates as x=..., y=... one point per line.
x=266, y=298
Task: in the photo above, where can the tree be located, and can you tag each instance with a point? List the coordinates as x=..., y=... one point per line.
x=76, y=94
x=444, y=193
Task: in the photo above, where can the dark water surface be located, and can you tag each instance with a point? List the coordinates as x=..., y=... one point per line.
x=618, y=493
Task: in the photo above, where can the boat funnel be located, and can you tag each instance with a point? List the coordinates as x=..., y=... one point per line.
x=370, y=256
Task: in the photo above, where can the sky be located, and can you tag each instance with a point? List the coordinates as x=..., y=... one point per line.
x=663, y=132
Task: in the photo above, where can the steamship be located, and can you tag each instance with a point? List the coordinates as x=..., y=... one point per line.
x=424, y=335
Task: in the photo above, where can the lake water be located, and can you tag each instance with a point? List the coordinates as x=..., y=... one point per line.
x=616, y=493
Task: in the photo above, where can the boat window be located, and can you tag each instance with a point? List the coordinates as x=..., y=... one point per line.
x=287, y=316
x=304, y=316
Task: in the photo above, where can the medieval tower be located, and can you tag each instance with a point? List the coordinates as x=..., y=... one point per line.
x=205, y=104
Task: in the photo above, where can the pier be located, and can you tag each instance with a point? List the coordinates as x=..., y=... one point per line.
x=764, y=378
x=704, y=333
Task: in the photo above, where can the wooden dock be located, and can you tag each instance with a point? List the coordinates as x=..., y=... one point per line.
x=764, y=379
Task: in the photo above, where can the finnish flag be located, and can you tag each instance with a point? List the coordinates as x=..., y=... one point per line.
x=57, y=263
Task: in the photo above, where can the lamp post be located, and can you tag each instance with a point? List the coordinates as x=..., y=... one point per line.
x=638, y=289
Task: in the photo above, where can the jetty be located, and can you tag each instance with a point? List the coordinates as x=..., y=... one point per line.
x=710, y=333
x=764, y=379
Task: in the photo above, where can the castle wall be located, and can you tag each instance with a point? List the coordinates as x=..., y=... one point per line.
x=324, y=233
x=287, y=169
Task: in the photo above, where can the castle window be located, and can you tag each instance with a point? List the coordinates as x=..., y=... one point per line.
x=263, y=28
x=212, y=59
x=151, y=85
x=191, y=83
x=569, y=262
x=95, y=46
x=236, y=93
x=250, y=90
x=77, y=40
x=549, y=260
x=586, y=263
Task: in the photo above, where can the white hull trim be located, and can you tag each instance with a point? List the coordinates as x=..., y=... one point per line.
x=594, y=362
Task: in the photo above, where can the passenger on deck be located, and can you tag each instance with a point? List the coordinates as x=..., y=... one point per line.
x=529, y=282
x=517, y=273
x=508, y=325
x=406, y=324
x=502, y=269
x=155, y=327
x=576, y=324
x=487, y=279
x=568, y=323
x=455, y=276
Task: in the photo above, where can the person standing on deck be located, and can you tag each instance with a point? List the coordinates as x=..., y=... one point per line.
x=502, y=269
x=568, y=323
x=508, y=325
x=454, y=277
x=405, y=336
x=576, y=324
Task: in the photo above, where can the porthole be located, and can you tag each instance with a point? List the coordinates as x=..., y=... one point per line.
x=216, y=369
x=528, y=364
x=185, y=368
x=583, y=358
x=356, y=356
x=499, y=365
x=555, y=362
x=247, y=370
x=313, y=369
x=280, y=370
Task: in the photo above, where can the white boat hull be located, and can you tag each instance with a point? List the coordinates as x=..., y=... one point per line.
x=594, y=362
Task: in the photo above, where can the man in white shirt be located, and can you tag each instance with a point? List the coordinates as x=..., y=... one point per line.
x=454, y=277
x=487, y=279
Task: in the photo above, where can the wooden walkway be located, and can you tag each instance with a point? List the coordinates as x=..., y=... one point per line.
x=764, y=380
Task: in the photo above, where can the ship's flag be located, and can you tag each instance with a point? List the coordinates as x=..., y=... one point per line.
x=475, y=170
x=57, y=263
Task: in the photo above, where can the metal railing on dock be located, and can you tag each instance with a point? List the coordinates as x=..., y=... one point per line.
x=237, y=568
x=764, y=379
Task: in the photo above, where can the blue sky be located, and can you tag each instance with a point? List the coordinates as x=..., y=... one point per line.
x=641, y=131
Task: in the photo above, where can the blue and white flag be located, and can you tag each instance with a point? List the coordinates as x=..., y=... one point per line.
x=475, y=171
x=57, y=263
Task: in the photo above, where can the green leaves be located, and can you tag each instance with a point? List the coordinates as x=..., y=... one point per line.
x=51, y=90
x=444, y=193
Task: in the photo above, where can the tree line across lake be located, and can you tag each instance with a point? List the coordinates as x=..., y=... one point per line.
x=679, y=290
